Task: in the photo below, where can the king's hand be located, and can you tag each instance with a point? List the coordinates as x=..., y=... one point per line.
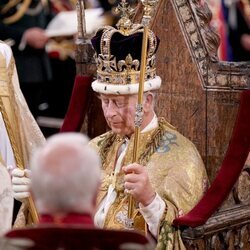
x=137, y=183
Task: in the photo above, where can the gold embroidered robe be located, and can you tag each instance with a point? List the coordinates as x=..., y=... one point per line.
x=176, y=172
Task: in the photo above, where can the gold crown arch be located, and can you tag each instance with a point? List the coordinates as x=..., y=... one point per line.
x=124, y=73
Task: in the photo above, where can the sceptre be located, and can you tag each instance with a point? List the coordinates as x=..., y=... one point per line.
x=148, y=7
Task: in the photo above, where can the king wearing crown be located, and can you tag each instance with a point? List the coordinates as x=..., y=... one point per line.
x=169, y=177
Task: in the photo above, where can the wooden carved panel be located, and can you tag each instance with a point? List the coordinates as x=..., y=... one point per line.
x=178, y=100
x=199, y=95
x=229, y=229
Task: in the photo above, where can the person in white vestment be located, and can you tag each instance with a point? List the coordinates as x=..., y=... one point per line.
x=19, y=133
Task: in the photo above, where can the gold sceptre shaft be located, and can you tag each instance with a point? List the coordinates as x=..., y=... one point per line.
x=139, y=109
x=19, y=163
x=32, y=208
x=149, y=6
x=31, y=204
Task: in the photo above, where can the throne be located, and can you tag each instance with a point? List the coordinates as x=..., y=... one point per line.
x=200, y=96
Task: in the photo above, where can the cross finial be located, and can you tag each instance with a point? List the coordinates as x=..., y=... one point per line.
x=124, y=24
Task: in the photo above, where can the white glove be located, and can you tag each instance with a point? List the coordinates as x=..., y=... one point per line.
x=21, y=184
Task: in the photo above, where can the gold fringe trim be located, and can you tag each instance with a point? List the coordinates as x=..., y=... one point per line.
x=9, y=5
x=19, y=14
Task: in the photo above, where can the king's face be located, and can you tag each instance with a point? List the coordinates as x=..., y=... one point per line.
x=119, y=112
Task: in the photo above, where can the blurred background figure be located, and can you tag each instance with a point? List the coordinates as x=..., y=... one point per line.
x=60, y=48
x=22, y=25
x=219, y=23
x=62, y=31
x=231, y=18
x=238, y=21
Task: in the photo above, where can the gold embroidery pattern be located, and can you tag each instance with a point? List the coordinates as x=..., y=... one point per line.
x=175, y=170
x=110, y=143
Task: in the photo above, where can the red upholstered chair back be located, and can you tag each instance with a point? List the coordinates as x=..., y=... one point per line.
x=75, y=237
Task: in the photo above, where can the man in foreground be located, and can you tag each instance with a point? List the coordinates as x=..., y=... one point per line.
x=65, y=180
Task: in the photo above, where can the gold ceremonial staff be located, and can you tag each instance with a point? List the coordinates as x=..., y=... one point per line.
x=32, y=207
x=18, y=159
x=148, y=7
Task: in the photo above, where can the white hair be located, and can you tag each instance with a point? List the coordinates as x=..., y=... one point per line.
x=65, y=174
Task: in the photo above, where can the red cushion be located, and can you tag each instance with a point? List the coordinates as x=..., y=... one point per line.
x=77, y=237
x=78, y=104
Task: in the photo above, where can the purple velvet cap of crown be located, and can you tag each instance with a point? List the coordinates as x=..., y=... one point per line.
x=121, y=45
x=118, y=61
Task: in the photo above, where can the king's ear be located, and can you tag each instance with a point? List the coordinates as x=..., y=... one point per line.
x=148, y=102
